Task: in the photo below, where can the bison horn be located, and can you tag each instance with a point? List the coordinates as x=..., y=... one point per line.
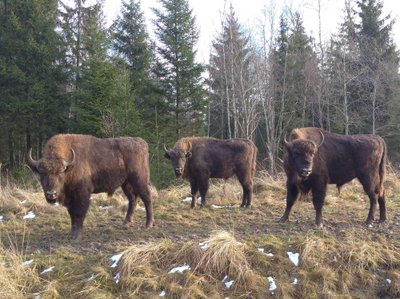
x=189, y=146
x=31, y=162
x=319, y=143
x=285, y=141
x=72, y=160
x=165, y=149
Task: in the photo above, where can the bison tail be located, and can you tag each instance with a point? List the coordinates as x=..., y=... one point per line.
x=382, y=170
x=254, y=162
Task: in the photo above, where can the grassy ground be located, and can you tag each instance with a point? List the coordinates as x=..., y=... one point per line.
x=343, y=260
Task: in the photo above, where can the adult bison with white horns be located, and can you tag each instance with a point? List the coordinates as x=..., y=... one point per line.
x=200, y=158
x=75, y=166
x=315, y=158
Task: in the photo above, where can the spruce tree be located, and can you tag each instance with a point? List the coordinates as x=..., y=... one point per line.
x=179, y=73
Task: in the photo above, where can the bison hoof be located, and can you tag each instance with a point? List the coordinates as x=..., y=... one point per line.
x=150, y=224
x=319, y=225
x=382, y=220
x=282, y=219
x=127, y=221
x=75, y=235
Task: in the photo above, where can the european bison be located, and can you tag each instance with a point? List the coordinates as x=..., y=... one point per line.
x=200, y=158
x=315, y=158
x=74, y=166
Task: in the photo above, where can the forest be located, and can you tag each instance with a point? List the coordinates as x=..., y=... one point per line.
x=63, y=70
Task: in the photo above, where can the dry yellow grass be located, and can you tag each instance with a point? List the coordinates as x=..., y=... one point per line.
x=344, y=260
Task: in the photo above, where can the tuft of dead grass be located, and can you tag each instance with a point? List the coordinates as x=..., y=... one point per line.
x=139, y=266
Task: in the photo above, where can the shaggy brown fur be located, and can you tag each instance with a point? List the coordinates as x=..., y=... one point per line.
x=338, y=160
x=199, y=158
x=99, y=165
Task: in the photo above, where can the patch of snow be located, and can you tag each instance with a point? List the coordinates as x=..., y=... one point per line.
x=1, y=218
x=106, y=207
x=37, y=297
x=26, y=263
x=187, y=199
x=115, y=259
x=370, y=225
x=91, y=277
x=56, y=204
x=140, y=208
x=295, y=281
x=23, y=201
x=47, y=270
x=229, y=284
x=224, y=207
x=262, y=250
x=203, y=245
x=30, y=215
x=162, y=294
x=388, y=281
x=334, y=258
x=294, y=257
x=117, y=277
x=180, y=269
x=272, y=284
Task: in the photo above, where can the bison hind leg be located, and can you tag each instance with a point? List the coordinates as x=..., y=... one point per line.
x=132, y=201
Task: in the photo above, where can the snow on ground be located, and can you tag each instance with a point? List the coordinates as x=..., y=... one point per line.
x=115, y=259
x=47, y=270
x=203, y=245
x=30, y=215
x=272, y=284
x=180, y=269
x=228, y=284
x=224, y=207
x=162, y=294
x=294, y=257
x=262, y=250
x=26, y=263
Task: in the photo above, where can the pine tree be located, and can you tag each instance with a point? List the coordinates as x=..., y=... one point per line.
x=31, y=79
x=130, y=43
x=179, y=74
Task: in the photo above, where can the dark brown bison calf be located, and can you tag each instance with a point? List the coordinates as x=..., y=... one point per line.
x=199, y=158
x=74, y=166
x=315, y=158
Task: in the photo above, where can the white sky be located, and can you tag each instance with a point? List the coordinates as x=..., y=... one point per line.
x=250, y=15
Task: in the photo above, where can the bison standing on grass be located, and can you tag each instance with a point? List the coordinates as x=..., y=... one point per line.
x=74, y=166
x=315, y=158
x=199, y=158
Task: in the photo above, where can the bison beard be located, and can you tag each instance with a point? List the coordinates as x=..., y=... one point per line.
x=315, y=158
x=75, y=166
x=200, y=158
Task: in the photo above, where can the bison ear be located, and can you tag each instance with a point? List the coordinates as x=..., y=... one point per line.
x=166, y=155
x=188, y=154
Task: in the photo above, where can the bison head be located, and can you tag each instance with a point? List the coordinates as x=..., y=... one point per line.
x=52, y=172
x=301, y=154
x=178, y=157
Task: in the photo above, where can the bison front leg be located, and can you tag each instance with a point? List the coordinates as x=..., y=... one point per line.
x=77, y=211
x=318, y=197
x=203, y=188
x=193, y=191
x=293, y=193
